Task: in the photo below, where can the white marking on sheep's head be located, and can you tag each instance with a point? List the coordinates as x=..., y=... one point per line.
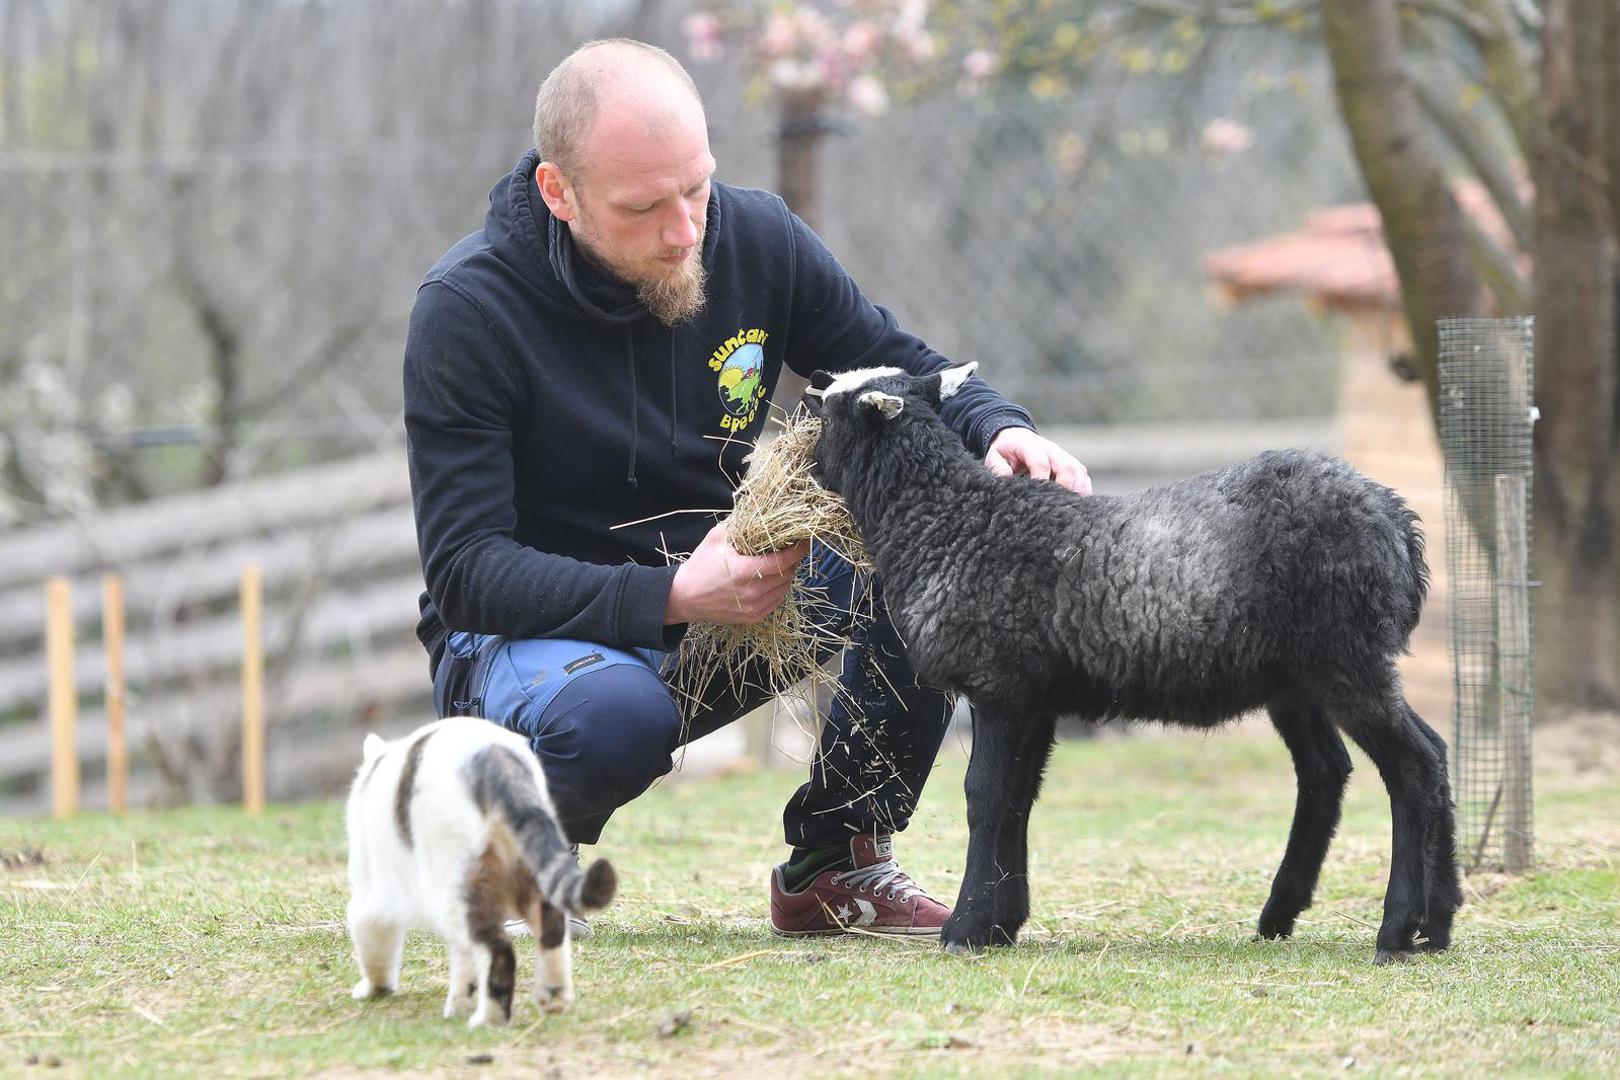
x=862, y=403
x=826, y=385
x=952, y=379
x=887, y=405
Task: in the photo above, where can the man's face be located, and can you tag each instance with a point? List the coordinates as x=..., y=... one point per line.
x=640, y=204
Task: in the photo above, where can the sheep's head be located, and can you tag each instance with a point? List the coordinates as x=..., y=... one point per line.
x=858, y=404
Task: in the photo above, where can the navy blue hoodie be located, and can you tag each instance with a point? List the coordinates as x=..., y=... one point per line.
x=544, y=406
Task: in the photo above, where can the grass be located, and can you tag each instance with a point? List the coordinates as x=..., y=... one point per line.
x=199, y=942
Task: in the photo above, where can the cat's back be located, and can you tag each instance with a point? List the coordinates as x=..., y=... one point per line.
x=411, y=798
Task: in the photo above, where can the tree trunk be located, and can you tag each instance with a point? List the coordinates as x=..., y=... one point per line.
x=1403, y=166
x=1577, y=559
x=798, y=143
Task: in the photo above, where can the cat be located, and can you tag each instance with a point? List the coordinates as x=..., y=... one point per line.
x=451, y=829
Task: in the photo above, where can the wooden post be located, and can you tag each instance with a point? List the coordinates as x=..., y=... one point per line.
x=1513, y=667
x=63, y=700
x=252, y=690
x=112, y=636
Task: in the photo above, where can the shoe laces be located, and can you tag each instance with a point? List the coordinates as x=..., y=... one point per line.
x=879, y=876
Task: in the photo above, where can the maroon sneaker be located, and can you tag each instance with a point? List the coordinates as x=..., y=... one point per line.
x=875, y=897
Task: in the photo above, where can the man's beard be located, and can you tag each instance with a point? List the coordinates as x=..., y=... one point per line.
x=678, y=298
x=671, y=299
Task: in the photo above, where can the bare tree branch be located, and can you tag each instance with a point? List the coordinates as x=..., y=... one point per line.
x=1490, y=163
x=1498, y=268
x=1508, y=69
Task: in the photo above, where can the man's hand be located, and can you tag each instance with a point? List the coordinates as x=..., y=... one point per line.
x=1017, y=449
x=720, y=585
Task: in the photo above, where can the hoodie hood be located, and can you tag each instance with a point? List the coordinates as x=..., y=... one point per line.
x=542, y=250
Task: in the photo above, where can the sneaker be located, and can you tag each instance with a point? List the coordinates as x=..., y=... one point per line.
x=875, y=897
x=579, y=928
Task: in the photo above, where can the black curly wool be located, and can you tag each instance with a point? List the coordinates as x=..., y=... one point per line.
x=1289, y=582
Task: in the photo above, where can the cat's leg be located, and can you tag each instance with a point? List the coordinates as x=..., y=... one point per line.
x=463, y=994
x=476, y=913
x=378, y=943
x=554, y=986
x=495, y=965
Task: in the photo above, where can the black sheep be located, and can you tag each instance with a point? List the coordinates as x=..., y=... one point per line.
x=1290, y=582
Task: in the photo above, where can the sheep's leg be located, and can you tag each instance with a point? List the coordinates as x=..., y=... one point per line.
x=1002, y=779
x=1321, y=768
x=1445, y=888
x=1415, y=776
x=1035, y=749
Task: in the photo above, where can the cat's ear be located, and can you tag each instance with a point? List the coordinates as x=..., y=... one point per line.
x=373, y=746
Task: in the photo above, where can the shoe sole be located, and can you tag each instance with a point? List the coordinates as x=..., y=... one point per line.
x=858, y=931
x=577, y=929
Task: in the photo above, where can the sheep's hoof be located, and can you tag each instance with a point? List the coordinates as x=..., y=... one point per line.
x=1390, y=956
x=963, y=948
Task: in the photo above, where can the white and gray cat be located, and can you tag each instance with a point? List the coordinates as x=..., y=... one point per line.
x=451, y=829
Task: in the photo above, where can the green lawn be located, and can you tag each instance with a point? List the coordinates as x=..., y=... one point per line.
x=197, y=942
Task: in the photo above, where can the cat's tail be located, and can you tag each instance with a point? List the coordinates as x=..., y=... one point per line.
x=502, y=783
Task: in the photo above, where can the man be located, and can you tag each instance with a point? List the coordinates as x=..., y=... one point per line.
x=580, y=376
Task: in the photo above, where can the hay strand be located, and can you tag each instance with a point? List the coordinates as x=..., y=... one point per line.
x=777, y=506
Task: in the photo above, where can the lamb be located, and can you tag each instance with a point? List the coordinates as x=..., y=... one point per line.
x=1289, y=582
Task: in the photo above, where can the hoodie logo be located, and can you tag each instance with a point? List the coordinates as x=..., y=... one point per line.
x=740, y=362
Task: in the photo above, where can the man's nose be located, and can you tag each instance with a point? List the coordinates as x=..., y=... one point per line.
x=682, y=231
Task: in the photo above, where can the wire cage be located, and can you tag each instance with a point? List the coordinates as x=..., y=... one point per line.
x=1486, y=420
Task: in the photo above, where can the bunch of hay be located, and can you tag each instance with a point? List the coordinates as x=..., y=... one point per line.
x=777, y=506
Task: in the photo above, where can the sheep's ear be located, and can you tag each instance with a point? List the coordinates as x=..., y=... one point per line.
x=819, y=381
x=811, y=402
x=951, y=379
x=887, y=405
x=373, y=746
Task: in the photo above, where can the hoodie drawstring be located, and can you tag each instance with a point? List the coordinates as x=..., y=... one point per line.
x=673, y=396
x=635, y=406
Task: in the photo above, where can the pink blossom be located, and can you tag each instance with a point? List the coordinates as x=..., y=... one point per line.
x=979, y=64
x=868, y=94
x=792, y=76
x=815, y=29
x=702, y=30
x=919, y=46
x=779, y=37
x=861, y=39
x=1223, y=137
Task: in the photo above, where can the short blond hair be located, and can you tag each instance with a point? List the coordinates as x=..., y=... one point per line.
x=565, y=108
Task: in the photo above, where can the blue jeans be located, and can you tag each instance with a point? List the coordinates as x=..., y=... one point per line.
x=605, y=724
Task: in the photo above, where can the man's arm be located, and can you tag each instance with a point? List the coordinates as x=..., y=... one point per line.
x=463, y=393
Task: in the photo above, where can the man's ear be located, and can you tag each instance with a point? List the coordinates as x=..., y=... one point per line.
x=886, y=405
x=952, y=378
x=556, y=191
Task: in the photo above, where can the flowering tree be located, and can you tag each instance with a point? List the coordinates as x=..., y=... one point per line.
x=812, y=56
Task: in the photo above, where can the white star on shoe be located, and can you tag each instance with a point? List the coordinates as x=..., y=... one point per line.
x=844, y=912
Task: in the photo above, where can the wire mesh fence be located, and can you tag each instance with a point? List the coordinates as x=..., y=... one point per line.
x=1486, y=420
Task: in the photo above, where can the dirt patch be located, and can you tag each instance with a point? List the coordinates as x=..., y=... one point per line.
x=1056, y=1041
x=1579, y=743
